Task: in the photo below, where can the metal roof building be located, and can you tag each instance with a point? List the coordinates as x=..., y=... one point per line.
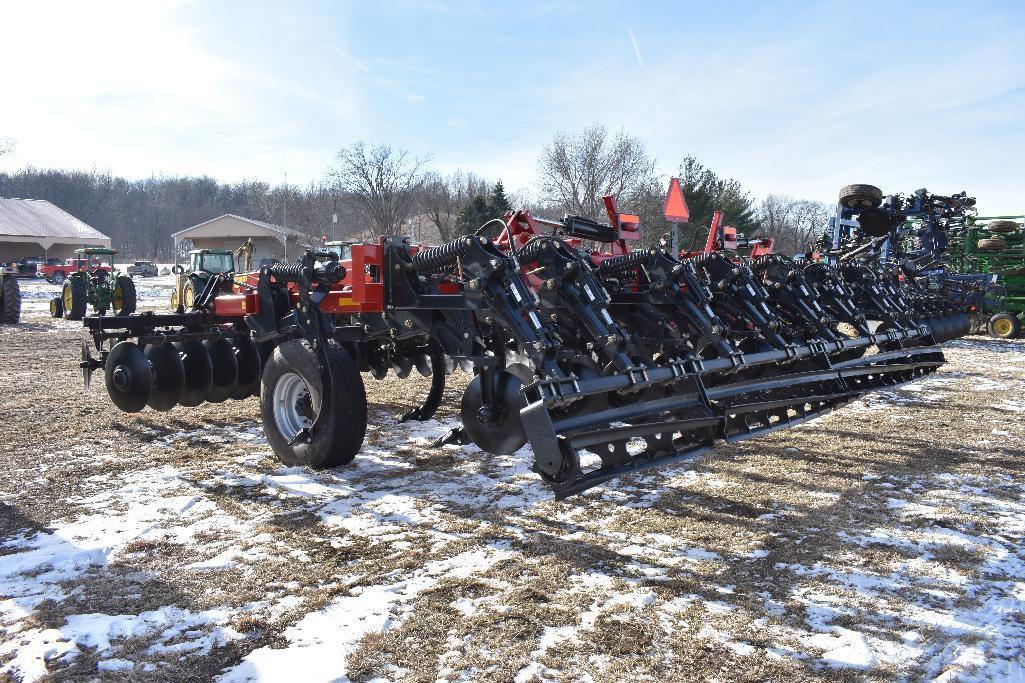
x=230, y=231
x=35, y=227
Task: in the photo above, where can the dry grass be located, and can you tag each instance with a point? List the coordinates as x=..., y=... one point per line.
x=790, y=496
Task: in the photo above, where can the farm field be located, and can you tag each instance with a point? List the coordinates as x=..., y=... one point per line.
x=884, y=540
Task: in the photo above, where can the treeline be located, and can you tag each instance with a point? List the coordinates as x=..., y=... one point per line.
x=377, y=189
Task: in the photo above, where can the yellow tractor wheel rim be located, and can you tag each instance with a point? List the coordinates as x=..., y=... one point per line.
x=1002, y=327
x=119, y=299
x=53, y=307
x=188, y=295
x=174, y=299
x=68, y=298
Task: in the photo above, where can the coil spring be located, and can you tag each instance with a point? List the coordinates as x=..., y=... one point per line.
x=292, y=271
x=442, y=259
x=618, y=264
x=534, y=248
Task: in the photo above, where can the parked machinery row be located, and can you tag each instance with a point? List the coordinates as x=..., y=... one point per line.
x=605, y=358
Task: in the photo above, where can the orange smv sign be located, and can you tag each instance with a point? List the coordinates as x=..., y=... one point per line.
x=675, y=208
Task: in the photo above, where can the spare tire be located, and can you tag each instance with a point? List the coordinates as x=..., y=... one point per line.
x=992, y=244
x=1003, y=226
x=861, y=196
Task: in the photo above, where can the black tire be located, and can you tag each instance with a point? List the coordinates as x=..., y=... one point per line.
x=1003, y=226
x=992, y=244
x=56, y=307
x=74, y=291
x=336, y=440
x=1004, y=325
x=861, y=196
x=10, y=301
x=128, y=298
x=58, y=278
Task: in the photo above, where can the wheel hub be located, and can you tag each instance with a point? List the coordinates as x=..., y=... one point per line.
x=293, y=405
x=121, y=377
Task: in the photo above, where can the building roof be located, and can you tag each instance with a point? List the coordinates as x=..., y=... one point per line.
x=267, y=226
x=40, y=218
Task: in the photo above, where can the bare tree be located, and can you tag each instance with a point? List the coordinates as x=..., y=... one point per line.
x=6, y=146
x=578, y=170
x=381, y=182
x=441, y=198
x=792, y=223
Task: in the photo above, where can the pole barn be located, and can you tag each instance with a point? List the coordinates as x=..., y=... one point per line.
x=230, y=231
x=35, y=227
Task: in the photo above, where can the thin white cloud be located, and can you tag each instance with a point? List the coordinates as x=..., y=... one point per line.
x=456, y=121
x=637, y=50
x=389, y=85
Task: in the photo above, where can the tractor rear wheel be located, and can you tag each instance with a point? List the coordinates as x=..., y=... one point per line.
x=1004, y=325
x=292, y=396
x=1003, y=226
x=75, y=298
x=861, y=196
x=124, y=295
x=992, y=244
x=10, y=301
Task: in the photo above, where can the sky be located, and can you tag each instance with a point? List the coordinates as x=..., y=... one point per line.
x=788, y=97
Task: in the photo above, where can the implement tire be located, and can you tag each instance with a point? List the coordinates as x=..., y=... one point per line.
x=10, y=301
x=1003, y=226
x=1004, y=325
x=75, y=298
x=860, y=196
x=292, y=395
x=992, y=244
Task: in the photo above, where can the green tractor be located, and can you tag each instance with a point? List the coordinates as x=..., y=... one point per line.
x=203, y=263
x=10, y=299
x=99, y=285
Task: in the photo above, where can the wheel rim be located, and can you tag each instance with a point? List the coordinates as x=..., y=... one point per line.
x=118, y=300
x=66, y=295
x=1002, y=327
x=293, y=408
x=188, y=296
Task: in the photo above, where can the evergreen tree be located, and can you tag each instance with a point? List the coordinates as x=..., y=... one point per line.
x=499, y=203
x=706, y=193
x=473, y=215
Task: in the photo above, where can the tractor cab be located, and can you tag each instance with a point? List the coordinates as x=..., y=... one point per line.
x=96, y=262
x=203, y=264
x=341, y=250
x=206, y=262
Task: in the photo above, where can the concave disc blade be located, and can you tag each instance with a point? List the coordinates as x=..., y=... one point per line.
x=402, y=365
x=168, y=376
x=199, y=373
x=222, y=353
x=504, y=434
x=423, y=364
x=249, y=367
x=522, y=371
x=128, y=377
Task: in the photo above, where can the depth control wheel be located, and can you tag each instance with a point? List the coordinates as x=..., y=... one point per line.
x=293, y=395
